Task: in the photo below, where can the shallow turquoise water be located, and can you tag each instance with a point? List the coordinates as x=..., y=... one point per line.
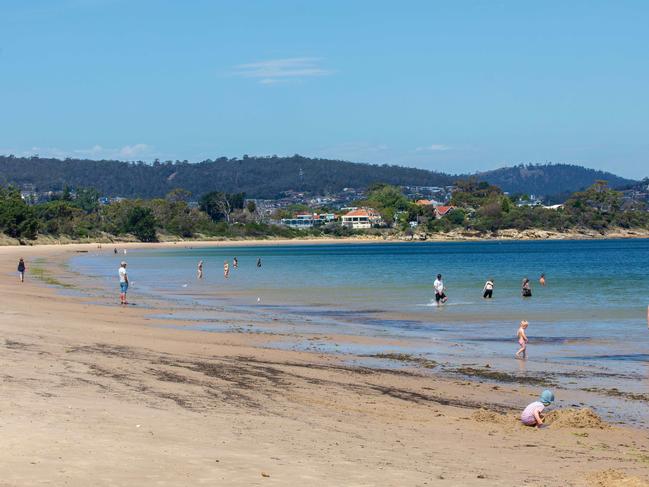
x=589, y=321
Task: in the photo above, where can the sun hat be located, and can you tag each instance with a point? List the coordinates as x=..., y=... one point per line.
x=547, y=397
x=123, y=263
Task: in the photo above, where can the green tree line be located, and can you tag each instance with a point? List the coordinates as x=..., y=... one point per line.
x=479, y=206
x=82, y=217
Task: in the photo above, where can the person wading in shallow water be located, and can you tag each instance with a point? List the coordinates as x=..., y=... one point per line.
x=526, y=290
x=488, y=289
x=522, y=340
x=438, y=285
x=123, y=283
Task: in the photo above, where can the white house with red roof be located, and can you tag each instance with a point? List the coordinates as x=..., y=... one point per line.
x=362, y=218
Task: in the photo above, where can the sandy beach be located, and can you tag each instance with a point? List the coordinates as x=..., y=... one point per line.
x=94, y=394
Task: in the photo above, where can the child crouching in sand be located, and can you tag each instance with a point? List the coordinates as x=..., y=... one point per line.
x=532, y=416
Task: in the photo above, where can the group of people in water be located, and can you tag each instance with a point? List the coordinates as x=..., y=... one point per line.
x=123, y=275
x=487, y=293
x=226, y=267
x=487, y=290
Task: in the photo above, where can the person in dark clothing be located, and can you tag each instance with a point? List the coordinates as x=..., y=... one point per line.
x=526, y=290
x=21, y=269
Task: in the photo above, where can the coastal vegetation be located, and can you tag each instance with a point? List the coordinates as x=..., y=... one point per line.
x=475, y=206
x=487, y=209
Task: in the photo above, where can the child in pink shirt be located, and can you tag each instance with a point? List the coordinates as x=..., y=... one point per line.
x=532, y=416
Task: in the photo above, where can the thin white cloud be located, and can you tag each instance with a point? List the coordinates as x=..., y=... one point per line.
x=127, y=152
x=274, y=71
x=95, y=150
x=272, y=81
x=433, y=148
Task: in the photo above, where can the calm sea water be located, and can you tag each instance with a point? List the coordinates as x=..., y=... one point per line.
x=588, y=326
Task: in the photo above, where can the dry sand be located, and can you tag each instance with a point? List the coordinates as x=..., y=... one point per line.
x=95, y=395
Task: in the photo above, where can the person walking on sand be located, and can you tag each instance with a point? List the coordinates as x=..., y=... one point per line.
x=226, y=269
x=542, y=280
x=522, y=340
x=438, y=285
x=526, y=289
x=488, y=289
x=21, y=269
x=123, y=283
x=200, y=269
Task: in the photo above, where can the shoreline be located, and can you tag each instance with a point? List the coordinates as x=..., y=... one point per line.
x=178, y=407
x=454, y=236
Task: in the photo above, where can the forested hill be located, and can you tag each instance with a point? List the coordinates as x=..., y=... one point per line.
x=257, y=177
x=268, y=177
x=549, y=179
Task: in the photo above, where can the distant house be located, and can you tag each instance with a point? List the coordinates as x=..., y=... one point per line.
x=531, y=201
x=308, y=220
x=442, y=211
x=427, y=203
x=362, y=218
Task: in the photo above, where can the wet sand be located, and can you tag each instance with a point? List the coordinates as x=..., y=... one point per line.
x=98, y=394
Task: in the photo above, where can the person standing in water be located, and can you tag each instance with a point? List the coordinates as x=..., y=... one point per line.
x=488, y=289
x=258, y=262
x=526, y=289
x=199, y=270
x=542, y=280
x=438, y=285
x=226, y=269
x=123, y=283
x=21, y=269
x=235, y=263
x=522, y=340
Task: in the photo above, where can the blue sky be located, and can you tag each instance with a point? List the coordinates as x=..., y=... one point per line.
x=454, y=86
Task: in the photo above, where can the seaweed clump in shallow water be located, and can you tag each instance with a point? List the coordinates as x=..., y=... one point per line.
x=615, y=392
x=404, y=357
x=504, y=376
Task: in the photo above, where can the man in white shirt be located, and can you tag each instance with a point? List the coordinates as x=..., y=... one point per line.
x=123, y=283
x=438, y=285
